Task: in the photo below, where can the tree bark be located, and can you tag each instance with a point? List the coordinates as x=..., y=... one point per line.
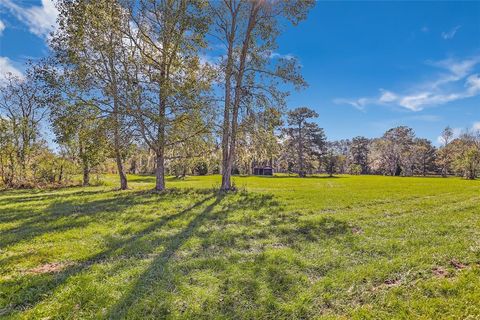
x=160, y=172
x=116, y=124
x=301, y=172
x=86, y=174
x=160, y=150
x=226, y=171
x=118, y=156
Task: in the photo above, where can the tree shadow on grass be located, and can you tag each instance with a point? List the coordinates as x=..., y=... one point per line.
x=23, y=196
x=64, y=215
x=245, y=262
x=26, y=291
x=232, y=249
x=306, y=177
x=156, y=270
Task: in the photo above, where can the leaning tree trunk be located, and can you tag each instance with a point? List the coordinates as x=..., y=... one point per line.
x=119, y=161
x=116, y=125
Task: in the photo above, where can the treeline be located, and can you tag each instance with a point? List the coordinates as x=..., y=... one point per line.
x=184, y=87
x=304, y=149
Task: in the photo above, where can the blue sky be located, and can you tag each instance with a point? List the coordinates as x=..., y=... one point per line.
x=370, y=65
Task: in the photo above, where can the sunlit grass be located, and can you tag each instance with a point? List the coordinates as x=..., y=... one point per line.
x=282, y=247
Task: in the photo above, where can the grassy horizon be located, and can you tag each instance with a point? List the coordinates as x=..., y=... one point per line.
x=282, y=247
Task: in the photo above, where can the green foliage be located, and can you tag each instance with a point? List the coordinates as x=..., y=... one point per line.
x=201, y=168
x=258, y=143
x=82, y=133
x=22, y=108
x=358, y=154
x=355, y=169
x=349, y=247
x=305, y=141
x=466, y=158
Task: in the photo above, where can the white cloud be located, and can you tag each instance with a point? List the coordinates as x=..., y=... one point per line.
x=2, y=27
x=456, y=70
x=356, y=103
x=387, y=96
x=276, y=55
x=473, y=84
x=419, y=101
x=455, y=81
x=6, y=66
x=476, y=126
x=41, y=20
x=450, y=34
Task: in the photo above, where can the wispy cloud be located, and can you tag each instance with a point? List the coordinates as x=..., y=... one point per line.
x=2, y=27
x=40, y=20
x=6, y=67
x=450, y=34
x=359, y=104
x=425, y=29
x=276, y=55
x=456, y=80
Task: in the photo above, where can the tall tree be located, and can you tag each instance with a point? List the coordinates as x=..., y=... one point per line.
x=333, y=158
x=23, y=107
x=79, y=129
x=90, y=43
x=392, y=154
x=465, y=152
x=359, y=150
x=248, y=30
x=305, y=138
x=8, y=154
x=444, y=158
x=170, y=80
x=423, y=156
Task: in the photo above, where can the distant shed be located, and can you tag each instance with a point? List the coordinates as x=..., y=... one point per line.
x=263, y=171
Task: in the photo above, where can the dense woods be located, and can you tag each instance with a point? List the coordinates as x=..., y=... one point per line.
x=186, y=88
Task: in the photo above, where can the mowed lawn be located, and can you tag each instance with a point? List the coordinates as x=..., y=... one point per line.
x=351, y=247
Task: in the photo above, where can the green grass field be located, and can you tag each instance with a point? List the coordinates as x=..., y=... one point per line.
x=351, y=247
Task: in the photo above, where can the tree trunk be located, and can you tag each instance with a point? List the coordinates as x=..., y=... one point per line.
x=230, y=142
x=86, y=175
x=60, y=175
x=160, y=149
x=117, y=147
x=301, y=171
x=160, y=172
x=184, y=172
x=121, y=172
x=86, y=168
x=226, y=176
x=116, y=125
x=226, y=171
